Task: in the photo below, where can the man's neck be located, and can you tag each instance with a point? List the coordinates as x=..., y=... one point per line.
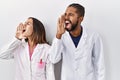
x=76, y=32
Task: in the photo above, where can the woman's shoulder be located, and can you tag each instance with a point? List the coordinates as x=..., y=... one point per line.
x=44, y=45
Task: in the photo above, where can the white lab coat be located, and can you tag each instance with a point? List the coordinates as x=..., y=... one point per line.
x=26, y=69
x=85, y=62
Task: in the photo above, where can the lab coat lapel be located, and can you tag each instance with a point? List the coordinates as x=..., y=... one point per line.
x=37, y=51
x=82, y=39
x=81, y=42
x=25, y=45
x=69, y=41
x=26, y=57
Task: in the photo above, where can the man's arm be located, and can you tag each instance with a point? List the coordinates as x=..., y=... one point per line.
x=57, y=45
x=56, y=50
x=98, y=59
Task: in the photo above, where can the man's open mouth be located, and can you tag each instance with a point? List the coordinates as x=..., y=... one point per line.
x=67, y=24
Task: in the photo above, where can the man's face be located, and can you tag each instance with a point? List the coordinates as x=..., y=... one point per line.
x=71, y=19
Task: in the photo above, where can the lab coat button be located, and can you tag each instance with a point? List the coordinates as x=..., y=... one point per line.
x=76, y=50
x=76, y=69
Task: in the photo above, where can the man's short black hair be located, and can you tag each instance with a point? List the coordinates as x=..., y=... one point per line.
x=80, y=9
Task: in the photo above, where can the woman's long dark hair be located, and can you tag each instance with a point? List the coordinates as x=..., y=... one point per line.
x=39, y=34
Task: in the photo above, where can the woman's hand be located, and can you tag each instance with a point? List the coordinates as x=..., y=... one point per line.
x=20, y=32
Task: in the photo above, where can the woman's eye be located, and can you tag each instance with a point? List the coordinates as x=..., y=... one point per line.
x=28, y=23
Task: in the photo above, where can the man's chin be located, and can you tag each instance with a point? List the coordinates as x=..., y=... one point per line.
x=68, y=29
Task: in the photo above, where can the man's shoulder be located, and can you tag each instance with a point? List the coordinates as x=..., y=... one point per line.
x=91, y=33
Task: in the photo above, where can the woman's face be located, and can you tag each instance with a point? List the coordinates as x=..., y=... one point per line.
x=28, y=27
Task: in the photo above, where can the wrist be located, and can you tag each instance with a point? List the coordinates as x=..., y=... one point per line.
x=58, y=36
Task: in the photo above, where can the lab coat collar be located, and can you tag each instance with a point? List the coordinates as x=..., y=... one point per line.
x=38, y=46
x=84, y=34
x=24, y=43
x=38, y=49
x=82, y=39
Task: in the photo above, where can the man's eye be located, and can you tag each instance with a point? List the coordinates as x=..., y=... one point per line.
x=70, y=14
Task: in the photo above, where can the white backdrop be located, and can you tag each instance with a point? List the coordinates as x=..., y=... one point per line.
x=101, y=15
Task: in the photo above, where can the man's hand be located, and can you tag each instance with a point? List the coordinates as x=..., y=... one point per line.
x=60, y=27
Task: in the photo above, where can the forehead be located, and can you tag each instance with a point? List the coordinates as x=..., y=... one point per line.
x=70, y=10
x=29, y=20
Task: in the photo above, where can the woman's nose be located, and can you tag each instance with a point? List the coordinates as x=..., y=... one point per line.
x=24, y=26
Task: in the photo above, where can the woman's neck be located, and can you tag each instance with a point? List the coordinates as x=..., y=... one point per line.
x=31, y=43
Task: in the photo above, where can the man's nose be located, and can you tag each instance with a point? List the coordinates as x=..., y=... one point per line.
x=66, y=17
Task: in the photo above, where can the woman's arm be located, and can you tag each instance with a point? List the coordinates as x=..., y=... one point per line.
x=7, y=52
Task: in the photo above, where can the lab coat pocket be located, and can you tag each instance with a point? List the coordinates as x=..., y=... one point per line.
x=41, y=64
x=40, y=67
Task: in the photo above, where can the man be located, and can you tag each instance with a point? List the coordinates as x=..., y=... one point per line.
x=80, y=49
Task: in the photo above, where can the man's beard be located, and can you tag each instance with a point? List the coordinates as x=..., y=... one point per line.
x=73, y=27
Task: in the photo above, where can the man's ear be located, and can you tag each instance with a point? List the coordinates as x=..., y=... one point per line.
x=81, y=18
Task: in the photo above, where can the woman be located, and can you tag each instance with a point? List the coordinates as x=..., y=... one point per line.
x=30, y=51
